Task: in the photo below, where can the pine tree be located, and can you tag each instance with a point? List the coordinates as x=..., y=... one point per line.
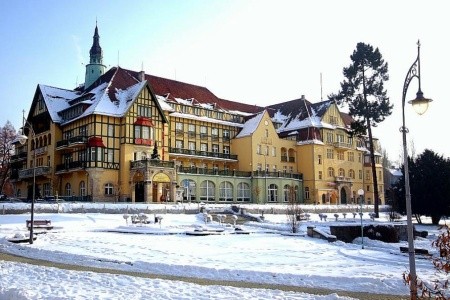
x=363, y=92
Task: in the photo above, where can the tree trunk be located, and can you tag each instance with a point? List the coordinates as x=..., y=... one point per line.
x=435, y=218
x=374, y=171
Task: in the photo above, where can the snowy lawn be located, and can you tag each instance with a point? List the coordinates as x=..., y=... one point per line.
x=265, y=255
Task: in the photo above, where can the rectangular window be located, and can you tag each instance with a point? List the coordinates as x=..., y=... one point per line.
x=214, y=131
x=360, y=174
x=340, y=138
x=351, y=156
x=306, y=192
x=274, y=151
x=226, y=149
x=204, y=147
x=320, y=175
x=340, y=155
x=109, y=155
x=367, y=175
x=110, y=130
x=179, y=144
x=137, y=131
x=319, y=159
x=145, y=132
x=258, y=149
x=226, y=135
x=329, y=137
x=359, y=157
x=330, y=154
x=191, y=128
x=179, y=127
x=191, y=145
x=203, y=130
x=215, y=148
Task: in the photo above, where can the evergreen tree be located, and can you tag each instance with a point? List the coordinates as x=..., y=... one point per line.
x=429, y=178
x=363, y=92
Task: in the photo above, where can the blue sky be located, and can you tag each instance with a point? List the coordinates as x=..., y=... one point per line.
x=257, y=52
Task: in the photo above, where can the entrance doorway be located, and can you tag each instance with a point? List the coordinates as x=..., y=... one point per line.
x=139, y=191
x=343, y=196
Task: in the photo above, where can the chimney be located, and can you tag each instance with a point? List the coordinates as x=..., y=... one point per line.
x=303, y=97
x=141, y=76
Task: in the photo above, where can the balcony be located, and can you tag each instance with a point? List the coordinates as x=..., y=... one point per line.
x=203, y=154
x=18, y=157
x=277, y=174
x=73, y=142
x=139, y=164
x=70, y=166
x=342, y=145
x=205, y=171
x=38, y=171
x=343, y=179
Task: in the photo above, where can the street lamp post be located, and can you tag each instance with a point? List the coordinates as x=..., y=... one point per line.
x=361, y=195
x=22, y=140
x=420, y=105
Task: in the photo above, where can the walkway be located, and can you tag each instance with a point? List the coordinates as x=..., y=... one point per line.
x=239, y=284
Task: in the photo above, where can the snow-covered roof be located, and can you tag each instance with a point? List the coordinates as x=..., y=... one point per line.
x=56, y=100
x=250, y=126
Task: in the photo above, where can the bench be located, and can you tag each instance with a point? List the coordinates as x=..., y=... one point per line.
x=416, y=251
x=40, y=224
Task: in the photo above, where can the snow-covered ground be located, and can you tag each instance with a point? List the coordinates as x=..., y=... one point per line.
x=265, y=255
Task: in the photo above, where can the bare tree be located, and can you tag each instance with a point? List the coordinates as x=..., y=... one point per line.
x=7, y=135
x=293, y=211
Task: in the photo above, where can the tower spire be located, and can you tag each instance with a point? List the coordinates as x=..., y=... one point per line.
x=95, y=68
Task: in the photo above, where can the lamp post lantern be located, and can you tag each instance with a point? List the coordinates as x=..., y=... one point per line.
x=420, y=105
x=22, y=139
x=361, y=196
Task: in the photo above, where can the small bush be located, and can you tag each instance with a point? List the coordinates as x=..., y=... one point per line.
x=383, y=233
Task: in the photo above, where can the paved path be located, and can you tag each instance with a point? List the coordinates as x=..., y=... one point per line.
x=201, y=281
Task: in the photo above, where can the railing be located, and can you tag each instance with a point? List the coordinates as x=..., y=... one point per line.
x=70, y=166
x=202, y=153
x=62, y=143
x=21, y=155
x=343, y=178
x=291, y=159
x=342, y=145
x=284, y=158
x=78, y=140
x=277, y=174
x=38, y=171
x=138, y=164
x=205, y=171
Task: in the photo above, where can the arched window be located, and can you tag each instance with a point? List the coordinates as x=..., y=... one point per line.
x=109, y=189
x=286, y=193
x=272, y=193
x=189, y=190
x=49, y=139
x=207, y=189
x=243, y=192
x=341, y=172
x=68, y=189
x=330, y=172
x=82, y=189
x=226, y=191
x=351, y=173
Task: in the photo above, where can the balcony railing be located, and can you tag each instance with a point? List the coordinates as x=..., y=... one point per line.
x=234, y=173
x=139, y=164
x=342, y=145
x=27, y=173
x=20, y=156
x=279, y=174
x=343, y=179
x=74, y=141
x=70, y=166
x=202, y=153
x=205, y=171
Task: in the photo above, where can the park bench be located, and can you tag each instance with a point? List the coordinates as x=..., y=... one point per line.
x=40, y=224
x=416, y=251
